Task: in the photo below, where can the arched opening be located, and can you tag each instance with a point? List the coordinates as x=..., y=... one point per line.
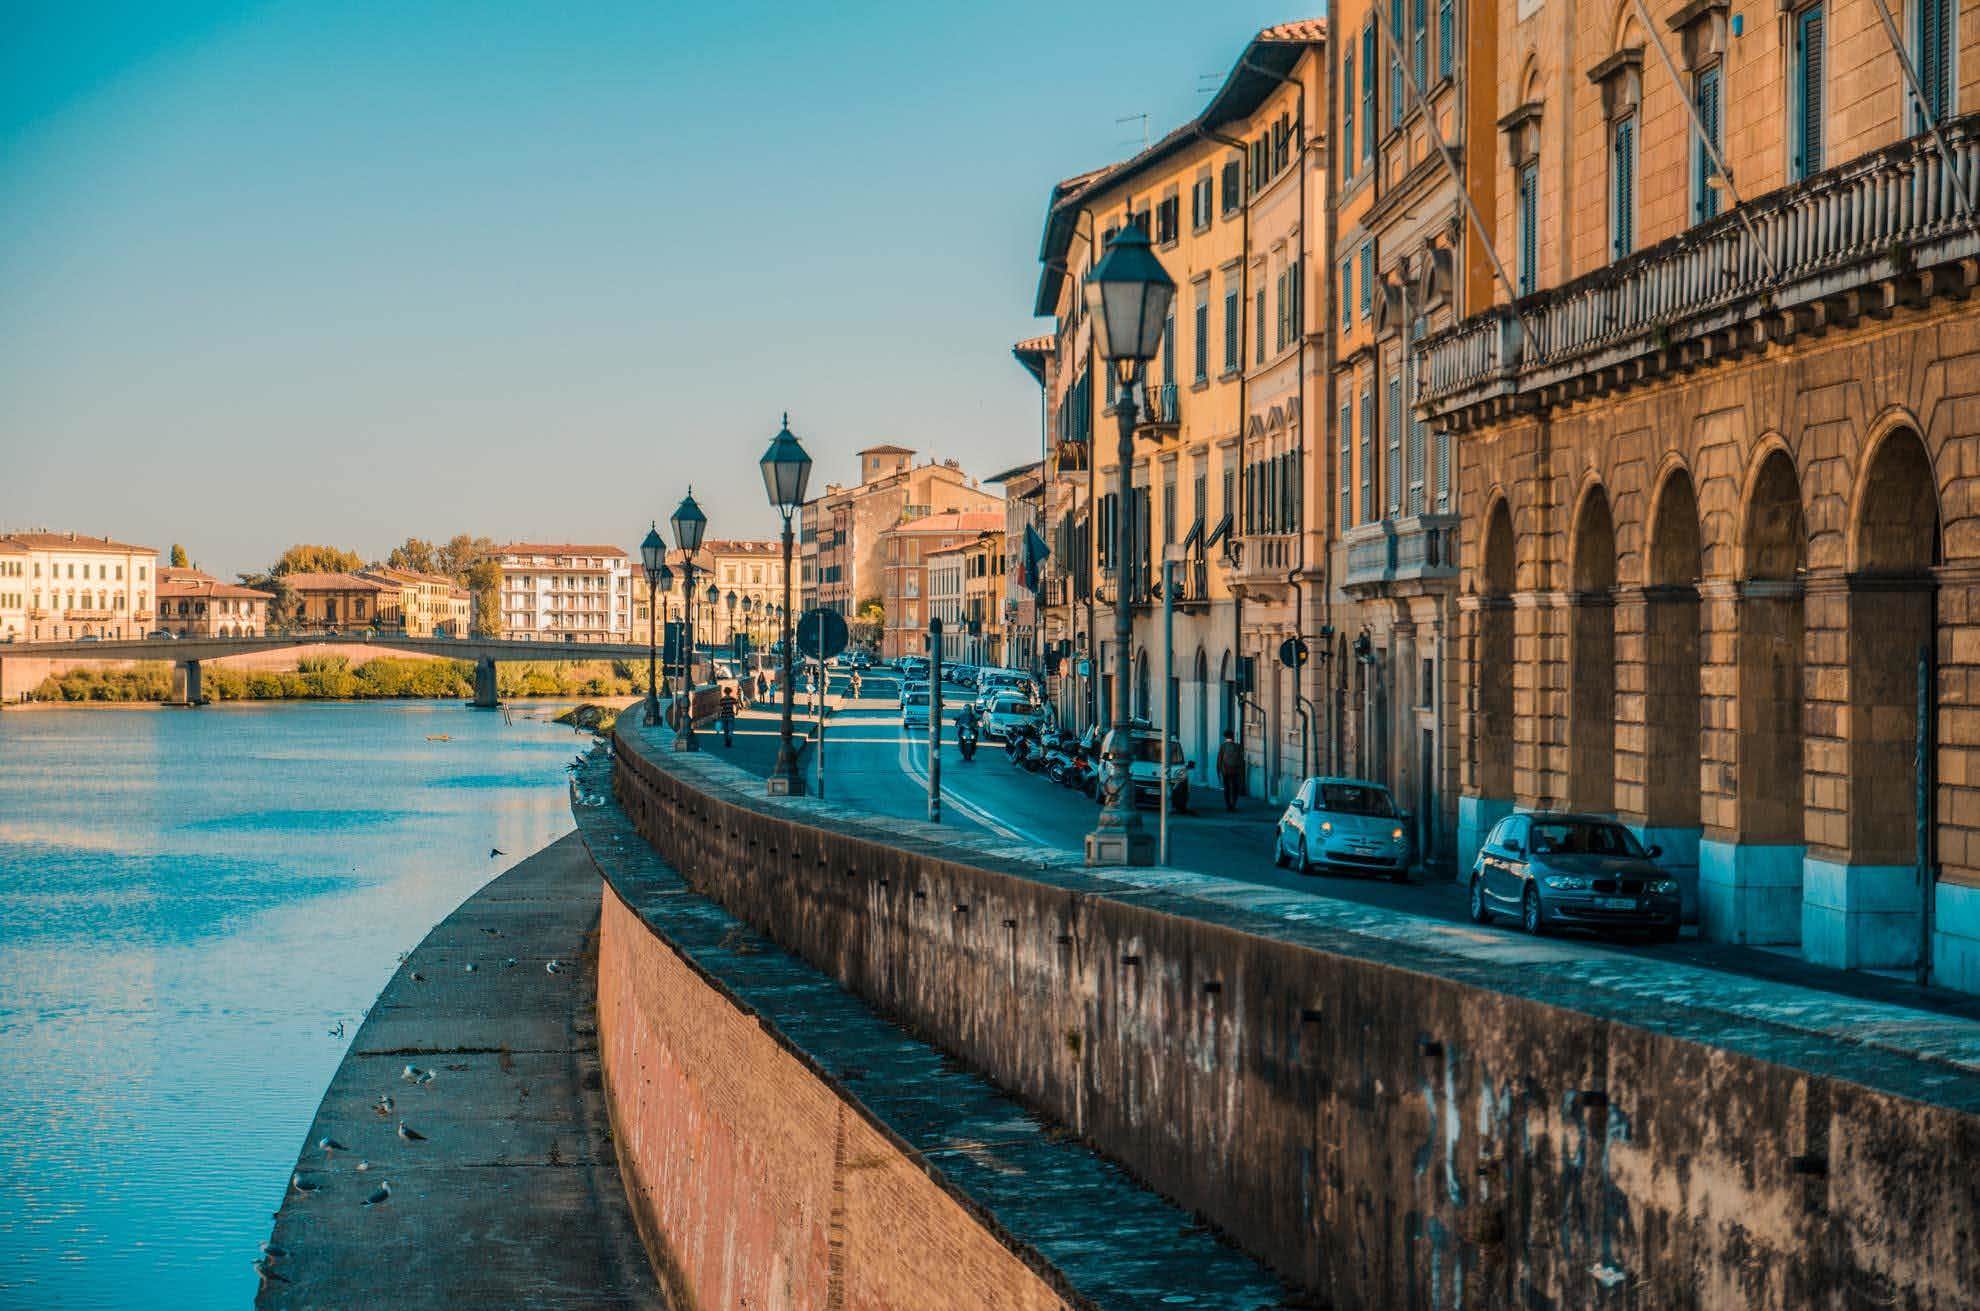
x=1144, y=706
x=1671, y=678
x=1591, y=781
x=1772, y=622
x=1895, y=544
x=1227, y=700
x=1205, y=753
x=1493, y=675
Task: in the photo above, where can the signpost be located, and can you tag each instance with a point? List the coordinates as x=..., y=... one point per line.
x=821, y=634
x=934, y=719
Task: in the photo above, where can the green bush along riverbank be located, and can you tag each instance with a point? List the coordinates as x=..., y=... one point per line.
x=334, y=678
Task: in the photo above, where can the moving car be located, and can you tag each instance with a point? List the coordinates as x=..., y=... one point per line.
x=155, y=635
x=1145, y=768
x=1584, y=871
x=1343, y=824
x=914, y=710
x=909, y=686
x=1008, y=710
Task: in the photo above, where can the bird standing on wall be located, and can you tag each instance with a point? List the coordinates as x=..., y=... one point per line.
x=410, y=1134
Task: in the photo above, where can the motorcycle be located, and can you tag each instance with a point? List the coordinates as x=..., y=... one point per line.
x=966, y=742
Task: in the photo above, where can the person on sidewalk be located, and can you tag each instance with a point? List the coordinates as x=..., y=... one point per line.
x=728, y=718
x=1230, y=769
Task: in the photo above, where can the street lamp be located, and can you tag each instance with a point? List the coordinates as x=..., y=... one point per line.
x=689, y=524
x=653, y=557
x=1128, y=294
x=731, y=599
x=786, y=470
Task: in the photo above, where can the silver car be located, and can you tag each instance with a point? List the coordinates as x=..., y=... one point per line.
x=1582, y=871
x=1344, y=824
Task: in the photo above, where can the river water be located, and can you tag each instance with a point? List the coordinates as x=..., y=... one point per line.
x=191, y=902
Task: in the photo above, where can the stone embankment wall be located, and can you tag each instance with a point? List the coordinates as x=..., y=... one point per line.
x=756, y=1182
x=1383, y=1132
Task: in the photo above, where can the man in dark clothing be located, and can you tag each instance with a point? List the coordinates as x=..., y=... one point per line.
x=1230, y=769
x=728, y=718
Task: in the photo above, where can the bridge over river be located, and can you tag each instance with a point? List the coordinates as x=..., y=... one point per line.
x=25, y=664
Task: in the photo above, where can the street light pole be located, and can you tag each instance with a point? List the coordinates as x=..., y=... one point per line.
x=653, y=558
x=689, y=524
x=786, y=469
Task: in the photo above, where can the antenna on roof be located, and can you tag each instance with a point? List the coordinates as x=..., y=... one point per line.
x=1207, y=83
x=1136, y=118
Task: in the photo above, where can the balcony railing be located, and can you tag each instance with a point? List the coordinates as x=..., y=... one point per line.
x=1262, y=556
x=1414, y=550
x=1161, y=405
x=1811, y=249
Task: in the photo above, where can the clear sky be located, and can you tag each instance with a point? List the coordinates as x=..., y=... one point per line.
x=348, y=271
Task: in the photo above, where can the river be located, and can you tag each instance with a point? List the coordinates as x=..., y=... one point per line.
x=191, y=903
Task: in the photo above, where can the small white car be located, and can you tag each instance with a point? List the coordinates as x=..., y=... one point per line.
x=909, y=686
x=1008, y=710
x=1343, y=824
x=914, y=710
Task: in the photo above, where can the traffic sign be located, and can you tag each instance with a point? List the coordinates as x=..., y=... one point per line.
x=1293, y=653
x=1085, y=667
x=821, y=634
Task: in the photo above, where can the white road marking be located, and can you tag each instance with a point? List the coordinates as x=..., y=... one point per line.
x=914, y=770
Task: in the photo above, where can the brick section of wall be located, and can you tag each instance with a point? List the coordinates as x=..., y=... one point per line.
x=1384, y=1133
x=755, y=1183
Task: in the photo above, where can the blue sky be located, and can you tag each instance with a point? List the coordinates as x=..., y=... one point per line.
x=348, y=272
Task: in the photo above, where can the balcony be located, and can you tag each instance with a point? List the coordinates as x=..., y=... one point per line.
x=1161, y=406
x=1264, y=559
x=1413, y=553
x=1869, y=235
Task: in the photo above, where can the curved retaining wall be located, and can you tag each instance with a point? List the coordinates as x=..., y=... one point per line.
x=1386, y=1126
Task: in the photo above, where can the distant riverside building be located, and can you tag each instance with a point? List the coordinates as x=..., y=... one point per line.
x=904, y=552
x=563, y=592
x=422, y=604
x=61, y=586
x=336, y=601
x=840, y=531
x=945, y=600
x=195, y=604
x=1017, y=609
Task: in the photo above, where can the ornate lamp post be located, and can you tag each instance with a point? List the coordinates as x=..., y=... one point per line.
x=786, y=470
x=1128, y=293
x=731, y=599
x=714, y=599
x=653, y=558
x=689, y=525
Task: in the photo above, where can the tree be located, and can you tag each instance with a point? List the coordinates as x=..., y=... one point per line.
x=178, y=556
x=869, y=620
x=281, y=610
x=484, y=579
x=417, y=555
x=461, y=554
x=305, y=559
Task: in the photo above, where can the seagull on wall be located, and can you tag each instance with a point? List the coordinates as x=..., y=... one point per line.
x=330, y=1147
x=303, y=1186
x=410, y=1134
x=380, y=1195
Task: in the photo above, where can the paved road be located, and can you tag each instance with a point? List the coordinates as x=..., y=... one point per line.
x=870, y=763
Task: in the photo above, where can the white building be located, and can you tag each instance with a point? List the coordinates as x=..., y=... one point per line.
x=945, y=600
x=57, y=587
x=562, y=592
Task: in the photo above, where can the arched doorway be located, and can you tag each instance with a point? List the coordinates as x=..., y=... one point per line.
x=1205, y=752
x=1894, y=545
x=1591, y=781
x=1672, y=716
x=1144, y=706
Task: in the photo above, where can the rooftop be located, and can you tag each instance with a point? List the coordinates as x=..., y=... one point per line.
x=333, y=583
x=954, y=521
x=75, y=542
x=192, y=582
x=558, y=548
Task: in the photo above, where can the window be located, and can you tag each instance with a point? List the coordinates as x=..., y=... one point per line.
x=1419, y=40
x=1258, y=325
x=1202, y=203
x=1704, y=197
x=1347, y=463
x=1367, y=455
x=1446, y=37
x=1283, y=321
x=1395, y=64
x=1528, y=200
x=1367, y=279
x=1622, y=186
x=1203, y=332
x=1168, y=220
x=1233, y=185
x=1395, y=425
x=1295, y=303
x=1368, y=91
x=1231, y=325
x=1806, y=92
x=1347, y=294
x=1169, y=348
x=1347, y=114
x=1935, y=27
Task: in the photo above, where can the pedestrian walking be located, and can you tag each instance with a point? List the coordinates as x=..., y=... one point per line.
x=1230, y=769
x=728, y=718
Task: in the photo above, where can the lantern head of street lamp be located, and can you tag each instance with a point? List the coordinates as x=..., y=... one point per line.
x=1128, y=293
x=653, y=555
x=731, y=599
x=786, y=470
x=689, y=525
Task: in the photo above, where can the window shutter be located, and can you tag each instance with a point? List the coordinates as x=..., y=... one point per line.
x=1529, y=222
x=1934, y=56
x=1347, y=114
x=1347, y=463
x=1705, y=203
x=1446, y=37
x=1230, y=329
x=1367, y=279
x=1622, y=200
x=1395, y=446
x=1258, y=326
x=1808, y=92
x=1443, y=470
x=1347, y=294
x=1367, y=455
x=1368, y=90
x=1395, y=63
x=1416, y=470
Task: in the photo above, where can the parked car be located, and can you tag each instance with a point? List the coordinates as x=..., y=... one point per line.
x=155, y=635
x=1008, y=711
x=1584, y=871
x=1343, y=824
x=914, y=710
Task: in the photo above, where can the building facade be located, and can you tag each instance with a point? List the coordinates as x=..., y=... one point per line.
x=1235, y=204
x=1717, y=545
x=1414, y=120
x=983, y=574
x=72, y=585
x=945, y=600
x=904, y=553
x=1017, y=609
x=564, y=592
x=844, y=524
x=195, y=604
x=323, y=603
x=422, y=604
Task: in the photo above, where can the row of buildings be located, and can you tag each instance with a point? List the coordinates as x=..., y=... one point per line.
x=1589, y=393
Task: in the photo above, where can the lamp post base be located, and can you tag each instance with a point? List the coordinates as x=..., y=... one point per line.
x=781, y=786
x=786, y=779
x=652, y=715
x=1118, y=846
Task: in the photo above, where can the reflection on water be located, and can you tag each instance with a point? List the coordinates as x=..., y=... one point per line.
x=189, y=903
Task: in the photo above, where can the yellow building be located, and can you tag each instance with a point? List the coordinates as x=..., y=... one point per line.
x=842, y=527
x=340, y=603
x=1714, y=463
x=195, y=604
x=422, y=604
x=1232, y=411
